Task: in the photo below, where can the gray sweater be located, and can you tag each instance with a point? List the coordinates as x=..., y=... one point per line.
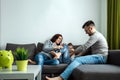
x=98, y=44
x=47, y=48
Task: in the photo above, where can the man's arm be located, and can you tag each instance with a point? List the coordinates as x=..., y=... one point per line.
x=83, y=48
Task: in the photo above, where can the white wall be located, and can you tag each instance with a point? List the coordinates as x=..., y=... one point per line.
x=32, y=21
x=103, y=27
x=0, y=24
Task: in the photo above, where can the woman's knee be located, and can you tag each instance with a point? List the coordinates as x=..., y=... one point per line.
x=56, y=62
x=39, y=58
x=65, y=48
x=39, y=55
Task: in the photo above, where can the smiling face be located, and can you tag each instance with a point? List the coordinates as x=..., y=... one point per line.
x=59, y=40
x=89, y=29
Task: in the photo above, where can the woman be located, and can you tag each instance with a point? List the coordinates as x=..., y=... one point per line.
x=54, y=52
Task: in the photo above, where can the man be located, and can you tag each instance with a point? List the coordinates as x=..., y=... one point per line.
x=99, y=49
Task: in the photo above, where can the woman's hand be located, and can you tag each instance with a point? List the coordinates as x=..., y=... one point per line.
x=58, y=47
x=57, y=56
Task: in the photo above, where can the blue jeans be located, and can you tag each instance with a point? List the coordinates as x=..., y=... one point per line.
x=43, y=59
x=90, y=59
x=65, y=56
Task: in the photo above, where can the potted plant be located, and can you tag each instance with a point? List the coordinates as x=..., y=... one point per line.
x=21, y=56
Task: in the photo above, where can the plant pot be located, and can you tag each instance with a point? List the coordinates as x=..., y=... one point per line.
x=22, y=65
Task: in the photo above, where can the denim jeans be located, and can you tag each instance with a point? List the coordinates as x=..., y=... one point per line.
x=90, y=59
x=41, y=58
x=65, y=56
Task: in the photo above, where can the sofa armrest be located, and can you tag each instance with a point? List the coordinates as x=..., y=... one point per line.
x=113, y=57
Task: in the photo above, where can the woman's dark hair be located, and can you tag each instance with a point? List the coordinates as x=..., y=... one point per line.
x=88, y=23
x=55, y=37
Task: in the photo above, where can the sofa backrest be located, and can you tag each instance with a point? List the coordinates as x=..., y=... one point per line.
x=30, y=47
x=39, y=47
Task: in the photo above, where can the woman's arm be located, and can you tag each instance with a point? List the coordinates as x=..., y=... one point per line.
x=48, y=46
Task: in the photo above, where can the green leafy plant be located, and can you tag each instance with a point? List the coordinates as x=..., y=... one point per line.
x=21, y=54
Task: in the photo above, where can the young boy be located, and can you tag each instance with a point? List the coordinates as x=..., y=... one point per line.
x=71, y=50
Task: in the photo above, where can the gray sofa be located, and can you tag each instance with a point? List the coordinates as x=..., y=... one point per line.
x=108, y=71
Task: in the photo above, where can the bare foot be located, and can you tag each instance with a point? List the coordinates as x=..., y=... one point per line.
x=31, y=62
x=54, y=78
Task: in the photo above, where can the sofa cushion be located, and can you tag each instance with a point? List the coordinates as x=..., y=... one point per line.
x=113, y=57
x=30, y=47
x=96, y=72
x=54, y=69
x=39, y=47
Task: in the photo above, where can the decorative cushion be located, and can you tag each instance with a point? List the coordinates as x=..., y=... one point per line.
x=30, y=47
x=39, y=47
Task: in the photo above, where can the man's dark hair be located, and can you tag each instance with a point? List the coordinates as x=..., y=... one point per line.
x=88, y=23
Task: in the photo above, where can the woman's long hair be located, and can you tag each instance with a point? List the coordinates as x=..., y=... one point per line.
x=55, y=37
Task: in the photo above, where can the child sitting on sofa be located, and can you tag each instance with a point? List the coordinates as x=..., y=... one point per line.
x=71, y=50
